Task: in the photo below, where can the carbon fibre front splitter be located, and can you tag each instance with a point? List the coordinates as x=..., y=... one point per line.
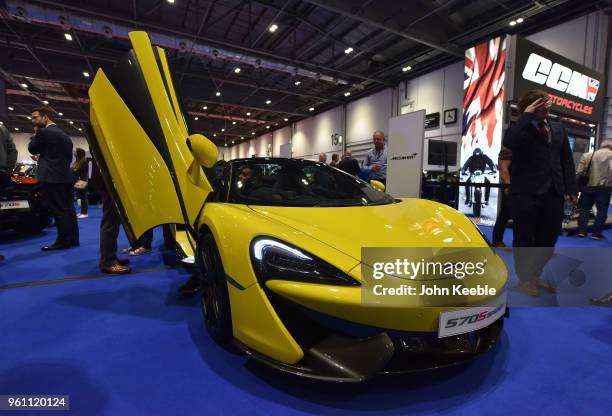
x=343, y=359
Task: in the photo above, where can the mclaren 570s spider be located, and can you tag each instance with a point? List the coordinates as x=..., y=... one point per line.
x=278, y=242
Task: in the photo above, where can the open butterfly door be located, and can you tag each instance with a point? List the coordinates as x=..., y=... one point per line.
x=138, y=136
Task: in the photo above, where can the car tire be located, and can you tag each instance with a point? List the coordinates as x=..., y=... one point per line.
x=214, y=295
x=169, y=241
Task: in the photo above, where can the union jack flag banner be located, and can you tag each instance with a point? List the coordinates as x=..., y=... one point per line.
x=483, y=107
x=592, y=89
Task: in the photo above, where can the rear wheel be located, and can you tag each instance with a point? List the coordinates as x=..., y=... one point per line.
x=214, y=294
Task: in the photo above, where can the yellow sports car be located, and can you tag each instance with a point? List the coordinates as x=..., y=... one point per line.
x=278, y=242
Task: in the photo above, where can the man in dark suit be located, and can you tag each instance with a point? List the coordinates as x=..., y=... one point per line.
x=541, y=180
x=349, y=165
x=54, y=150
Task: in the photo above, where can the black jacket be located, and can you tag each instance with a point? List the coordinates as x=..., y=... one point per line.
x=55, y=150
x=478, y=162
x=536, y=164
x=8, y=152
x=349, y=165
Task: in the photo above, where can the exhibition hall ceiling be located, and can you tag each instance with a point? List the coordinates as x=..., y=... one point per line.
x=247, y=67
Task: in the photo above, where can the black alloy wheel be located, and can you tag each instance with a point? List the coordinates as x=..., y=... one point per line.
x=214, y=295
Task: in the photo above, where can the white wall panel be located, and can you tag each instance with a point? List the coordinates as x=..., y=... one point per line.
x=261, y=144
x=280, y=137
x=313, y=135
x=368, y=114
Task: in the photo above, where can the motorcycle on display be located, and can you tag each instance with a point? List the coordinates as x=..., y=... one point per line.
x=478, y=178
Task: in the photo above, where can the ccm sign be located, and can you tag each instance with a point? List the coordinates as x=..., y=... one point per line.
x=558, y=77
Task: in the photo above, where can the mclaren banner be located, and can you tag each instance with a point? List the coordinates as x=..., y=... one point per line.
x=574, y=89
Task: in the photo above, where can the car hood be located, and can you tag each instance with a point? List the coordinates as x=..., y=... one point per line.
x=406, y=223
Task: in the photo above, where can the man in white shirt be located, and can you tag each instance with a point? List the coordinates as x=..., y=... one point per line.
x=598, y=166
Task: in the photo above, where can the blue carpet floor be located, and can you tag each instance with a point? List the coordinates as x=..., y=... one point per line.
x=131, y=346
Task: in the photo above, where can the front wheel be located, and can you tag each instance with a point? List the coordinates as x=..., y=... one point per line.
x=214, y=295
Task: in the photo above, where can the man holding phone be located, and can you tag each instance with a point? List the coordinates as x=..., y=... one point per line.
x=542, y=179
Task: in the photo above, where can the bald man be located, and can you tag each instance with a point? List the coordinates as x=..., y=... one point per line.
x=322, y=157
x=375, y=163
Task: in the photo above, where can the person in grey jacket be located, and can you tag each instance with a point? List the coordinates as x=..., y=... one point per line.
x=8, y=151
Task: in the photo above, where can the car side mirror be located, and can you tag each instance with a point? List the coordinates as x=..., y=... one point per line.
x=203, y=150
x=377, y=184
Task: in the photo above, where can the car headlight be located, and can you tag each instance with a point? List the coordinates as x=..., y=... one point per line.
x=275, y=259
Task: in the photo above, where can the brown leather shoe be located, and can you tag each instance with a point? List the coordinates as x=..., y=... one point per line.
x=546, y=286
x=123, y=262
x=115, y=269
x=530, y=288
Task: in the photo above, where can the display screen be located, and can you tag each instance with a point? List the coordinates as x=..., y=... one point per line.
x=442, y=153
x=483, y=109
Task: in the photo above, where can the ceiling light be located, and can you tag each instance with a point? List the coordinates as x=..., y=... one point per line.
x=214, y=134
x=241, y=137
x=68, y=36
x=16, y=129
x=346, y=94
x=222, y=130
x=45, y=102
x=520, y=20
x=80, y=129
x=233, y=122
x=24, y=85
x=1, y=123
x=248, y=114
x=71, y=122
x=60, y=114
x=218, y=93
x=273, y=27
x=252, y=133
x=171, y=1
x=205, y=108
x=267, y=127
x=406, y=68
x=86, y=74
x=348, y=50
x=268, y=102
x=237, y=70
x=512, y=23
x=311, y=109
x=285, y=119
x=29, y=118
x=297, y=82
x=196, y=118
x=11, y=108
x=232, y=142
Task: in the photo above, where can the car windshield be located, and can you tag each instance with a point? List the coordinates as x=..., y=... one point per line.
x=292, y=182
